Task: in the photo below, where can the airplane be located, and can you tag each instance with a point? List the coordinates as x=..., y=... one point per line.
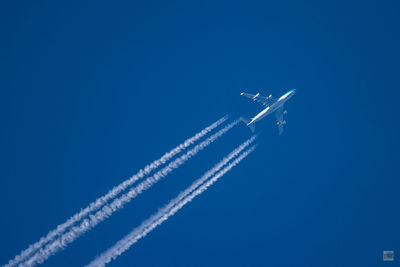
x=272, y=105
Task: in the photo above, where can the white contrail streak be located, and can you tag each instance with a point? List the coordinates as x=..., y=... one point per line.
x=201, y=180
x=50, y=249
x=98, y=203
x=174, y=206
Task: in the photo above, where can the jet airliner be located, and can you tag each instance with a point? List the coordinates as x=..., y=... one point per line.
x=272, y=105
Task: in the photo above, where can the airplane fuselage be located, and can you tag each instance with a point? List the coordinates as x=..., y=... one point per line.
x=270, y=109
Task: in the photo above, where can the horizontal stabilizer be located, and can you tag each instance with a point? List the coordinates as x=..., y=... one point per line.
x=247, y=121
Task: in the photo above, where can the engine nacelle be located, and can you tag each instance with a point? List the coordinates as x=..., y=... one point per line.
x=255, y=97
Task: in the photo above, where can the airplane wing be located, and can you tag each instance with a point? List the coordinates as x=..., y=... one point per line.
x=265, y=100
x=279, y=119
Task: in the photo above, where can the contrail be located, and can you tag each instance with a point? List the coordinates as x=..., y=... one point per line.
x=200, y=181
x=173, y=207
x=98, y=203
x=50, y=249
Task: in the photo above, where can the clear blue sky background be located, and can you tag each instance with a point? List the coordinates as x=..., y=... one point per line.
x=91, y=92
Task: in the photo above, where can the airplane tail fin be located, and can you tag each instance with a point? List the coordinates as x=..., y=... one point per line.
x=247, y=121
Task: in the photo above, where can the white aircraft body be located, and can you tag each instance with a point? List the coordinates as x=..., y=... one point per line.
x=272, y=105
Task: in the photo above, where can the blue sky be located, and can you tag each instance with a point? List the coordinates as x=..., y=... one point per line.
x=91, y=92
